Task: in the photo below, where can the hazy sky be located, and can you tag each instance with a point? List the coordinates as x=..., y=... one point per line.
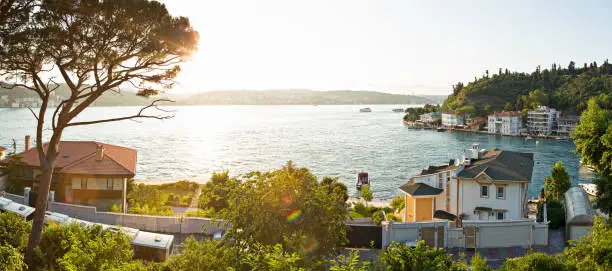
x=387, y=45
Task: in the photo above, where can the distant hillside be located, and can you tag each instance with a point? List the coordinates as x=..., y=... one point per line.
x=567, y=89
x=289, y=97
x=124, y=98
x=240, y=97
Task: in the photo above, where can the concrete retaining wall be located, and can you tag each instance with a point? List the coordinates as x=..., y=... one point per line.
x=164, y=224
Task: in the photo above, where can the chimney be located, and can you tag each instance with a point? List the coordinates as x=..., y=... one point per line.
x=100, y=152
x=27, y=142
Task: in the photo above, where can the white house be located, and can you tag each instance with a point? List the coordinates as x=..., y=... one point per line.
x=542, y=121
x=487, y=185
x=505, y=123
x=449, y=119
x=430, y=117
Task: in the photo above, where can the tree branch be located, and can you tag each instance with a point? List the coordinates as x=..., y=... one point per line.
x=139, y=115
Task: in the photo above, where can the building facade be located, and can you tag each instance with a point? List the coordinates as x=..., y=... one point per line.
x=449, y=119
x=542, y=121
x=566, y=125
x=430, y=117
x=86, y=172
x=505, y=123
x=486, y=185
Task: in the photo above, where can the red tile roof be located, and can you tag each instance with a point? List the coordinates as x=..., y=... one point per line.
x=506, y=114
x=3, y=148
x=79, y=157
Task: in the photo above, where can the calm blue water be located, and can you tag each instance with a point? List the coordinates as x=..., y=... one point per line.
x=333, y=140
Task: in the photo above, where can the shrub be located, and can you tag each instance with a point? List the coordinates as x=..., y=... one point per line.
x=361, y=209
x=378, y=218
x=400, y=256
x=533, y=261
x=74, y=247
x=11, y=259
x=14, y=231
x=398, y=203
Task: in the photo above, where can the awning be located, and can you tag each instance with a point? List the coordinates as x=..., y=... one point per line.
x=440, y=214
x=483, y=209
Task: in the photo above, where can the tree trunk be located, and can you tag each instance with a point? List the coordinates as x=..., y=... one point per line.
x=44, y=186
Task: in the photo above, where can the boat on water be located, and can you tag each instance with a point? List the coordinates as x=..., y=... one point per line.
x=362, y=179
x=440, y=130
x=589, y=188
x=398, y=110
x=366, y=109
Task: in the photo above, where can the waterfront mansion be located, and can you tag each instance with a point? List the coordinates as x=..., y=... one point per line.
x=484, y=185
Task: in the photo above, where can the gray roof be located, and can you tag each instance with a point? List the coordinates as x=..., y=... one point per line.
x=420, y=189
x=578, y=208
x=501, y=165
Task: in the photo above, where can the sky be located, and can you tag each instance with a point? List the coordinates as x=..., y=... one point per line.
x=396, y=46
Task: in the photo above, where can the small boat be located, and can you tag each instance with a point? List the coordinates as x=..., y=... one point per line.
x=398, y=110
x=362, y=179
x=589, y=188
x=367, y=109
x=528, y=138
x=440, y=130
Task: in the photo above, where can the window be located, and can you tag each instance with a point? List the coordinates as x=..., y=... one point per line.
x=484, y=191
x=501, y=192
x=500, y=215
x=84, y=183
x=440, y=181
x=109, y=184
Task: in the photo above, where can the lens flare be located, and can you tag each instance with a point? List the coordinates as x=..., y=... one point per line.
x=312, y=245
x=294, y=216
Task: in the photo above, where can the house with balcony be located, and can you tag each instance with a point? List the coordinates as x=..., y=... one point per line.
x=505, y=123
x=86, y=172
x=542, y=121
x=484, y=185
x=566, y=125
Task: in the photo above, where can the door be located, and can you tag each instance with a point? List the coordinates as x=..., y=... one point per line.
x=428, y=235
x=470, y=237
x=441, y=237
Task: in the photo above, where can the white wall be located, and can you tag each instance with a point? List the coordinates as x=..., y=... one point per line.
x=523, y=233
x=165, y=224
x=470, y=199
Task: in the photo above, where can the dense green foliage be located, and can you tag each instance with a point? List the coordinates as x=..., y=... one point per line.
x=400, y=256
x=592, y=252
x=558, y=183
x=593, y=140
x=288, y=207
x=11, y=259
x=566, y=89
x=366, y=193
x=412, y=113
x=158, y=199
x=215, y=193
x=74, y=247
x=14, y=231
x=398, y=203
x=11, y=168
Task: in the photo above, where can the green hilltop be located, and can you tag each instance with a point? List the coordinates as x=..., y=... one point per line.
x=567, y=89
